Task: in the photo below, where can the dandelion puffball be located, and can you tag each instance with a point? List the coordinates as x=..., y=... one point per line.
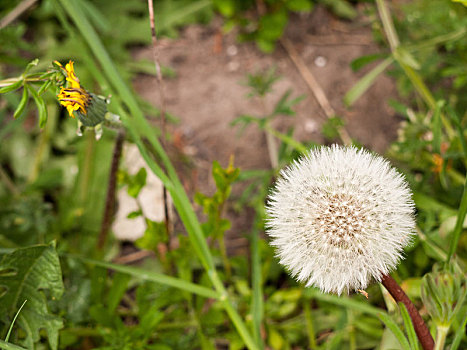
x=339, y=218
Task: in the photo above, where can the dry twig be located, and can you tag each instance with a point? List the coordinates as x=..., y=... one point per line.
x=314, y=86
x=162, y=110
x=16, y=12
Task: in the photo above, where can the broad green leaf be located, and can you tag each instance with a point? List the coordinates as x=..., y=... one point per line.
x=26, y=273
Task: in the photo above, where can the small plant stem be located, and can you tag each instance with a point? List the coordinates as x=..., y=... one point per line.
x=225, y=258
x=160, y=80
x=423, y=333
x=9, y=184
x=456, y=234
x=310, y=329
x=441, y=334
x=270, y=141
x=272, y=149
x=112, y=185
x=351, y=327
x=221, y=241
x=85, y=172
x=43, y=144
x=413, y=76
x=314, y=86
x=16, y=12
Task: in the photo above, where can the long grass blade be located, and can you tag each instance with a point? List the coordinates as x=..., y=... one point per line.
x=460, y=333
x=364, y=83
x=257, y=306
x=413, y=340
x=153, y=277
x=395, y=330
x=8, y=346
x=459, y=224
x=13, y=321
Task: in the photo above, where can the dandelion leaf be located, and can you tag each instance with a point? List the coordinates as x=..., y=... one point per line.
x=31, y=274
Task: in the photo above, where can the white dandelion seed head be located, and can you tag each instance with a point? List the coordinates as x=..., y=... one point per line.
x=339, y=218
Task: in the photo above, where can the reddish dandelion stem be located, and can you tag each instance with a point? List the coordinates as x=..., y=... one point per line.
x=423, y=333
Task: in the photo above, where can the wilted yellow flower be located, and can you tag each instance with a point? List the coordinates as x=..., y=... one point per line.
x=74, y=97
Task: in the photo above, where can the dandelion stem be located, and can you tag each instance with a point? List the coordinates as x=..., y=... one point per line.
x=423, y=333
x=441, y=333
x=110, y=199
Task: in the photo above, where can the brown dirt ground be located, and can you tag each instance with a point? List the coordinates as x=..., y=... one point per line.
x=207, y=94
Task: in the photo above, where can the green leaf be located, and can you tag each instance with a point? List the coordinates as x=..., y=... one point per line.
x=22, y=104
x=361, y=62
x=387, y=320
x=119, y=287
x=409, y=327
x=26, y=273
x=459, y=223
x=299, y=5
x=137, y=183
x=40, y=106
x=459, y=334
x=8, y=346
x=44, y=87
x=31, y=64
x=363, y=84
x=341, y=8
x=437, y=132
x=403, y=56
x=11, y=87
x=331, y=126
x=155, y=277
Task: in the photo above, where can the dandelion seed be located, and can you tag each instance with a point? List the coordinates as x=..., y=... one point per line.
x=356, y=240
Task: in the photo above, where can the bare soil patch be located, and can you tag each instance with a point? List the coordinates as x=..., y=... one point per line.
x=207, y=93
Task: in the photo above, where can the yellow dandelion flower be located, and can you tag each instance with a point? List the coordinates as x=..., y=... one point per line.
x=88, y=107
x=74, y=99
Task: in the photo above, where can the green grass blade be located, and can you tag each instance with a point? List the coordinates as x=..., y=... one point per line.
x=154, y=277
x=8, y=346
x=286, y=139
x=348, y=303
x=459, y=223
x=395, y=330
x=257, y=305
x=364, y=83
x=460, y=333
x=413, y=340
x=14, y=320
x=365, y=308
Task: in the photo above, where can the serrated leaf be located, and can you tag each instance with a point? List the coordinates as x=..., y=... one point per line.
x=32, y=270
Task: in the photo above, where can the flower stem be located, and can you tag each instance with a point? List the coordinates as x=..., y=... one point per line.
x=112, y=185
x=423, y=333
x=441, y=333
